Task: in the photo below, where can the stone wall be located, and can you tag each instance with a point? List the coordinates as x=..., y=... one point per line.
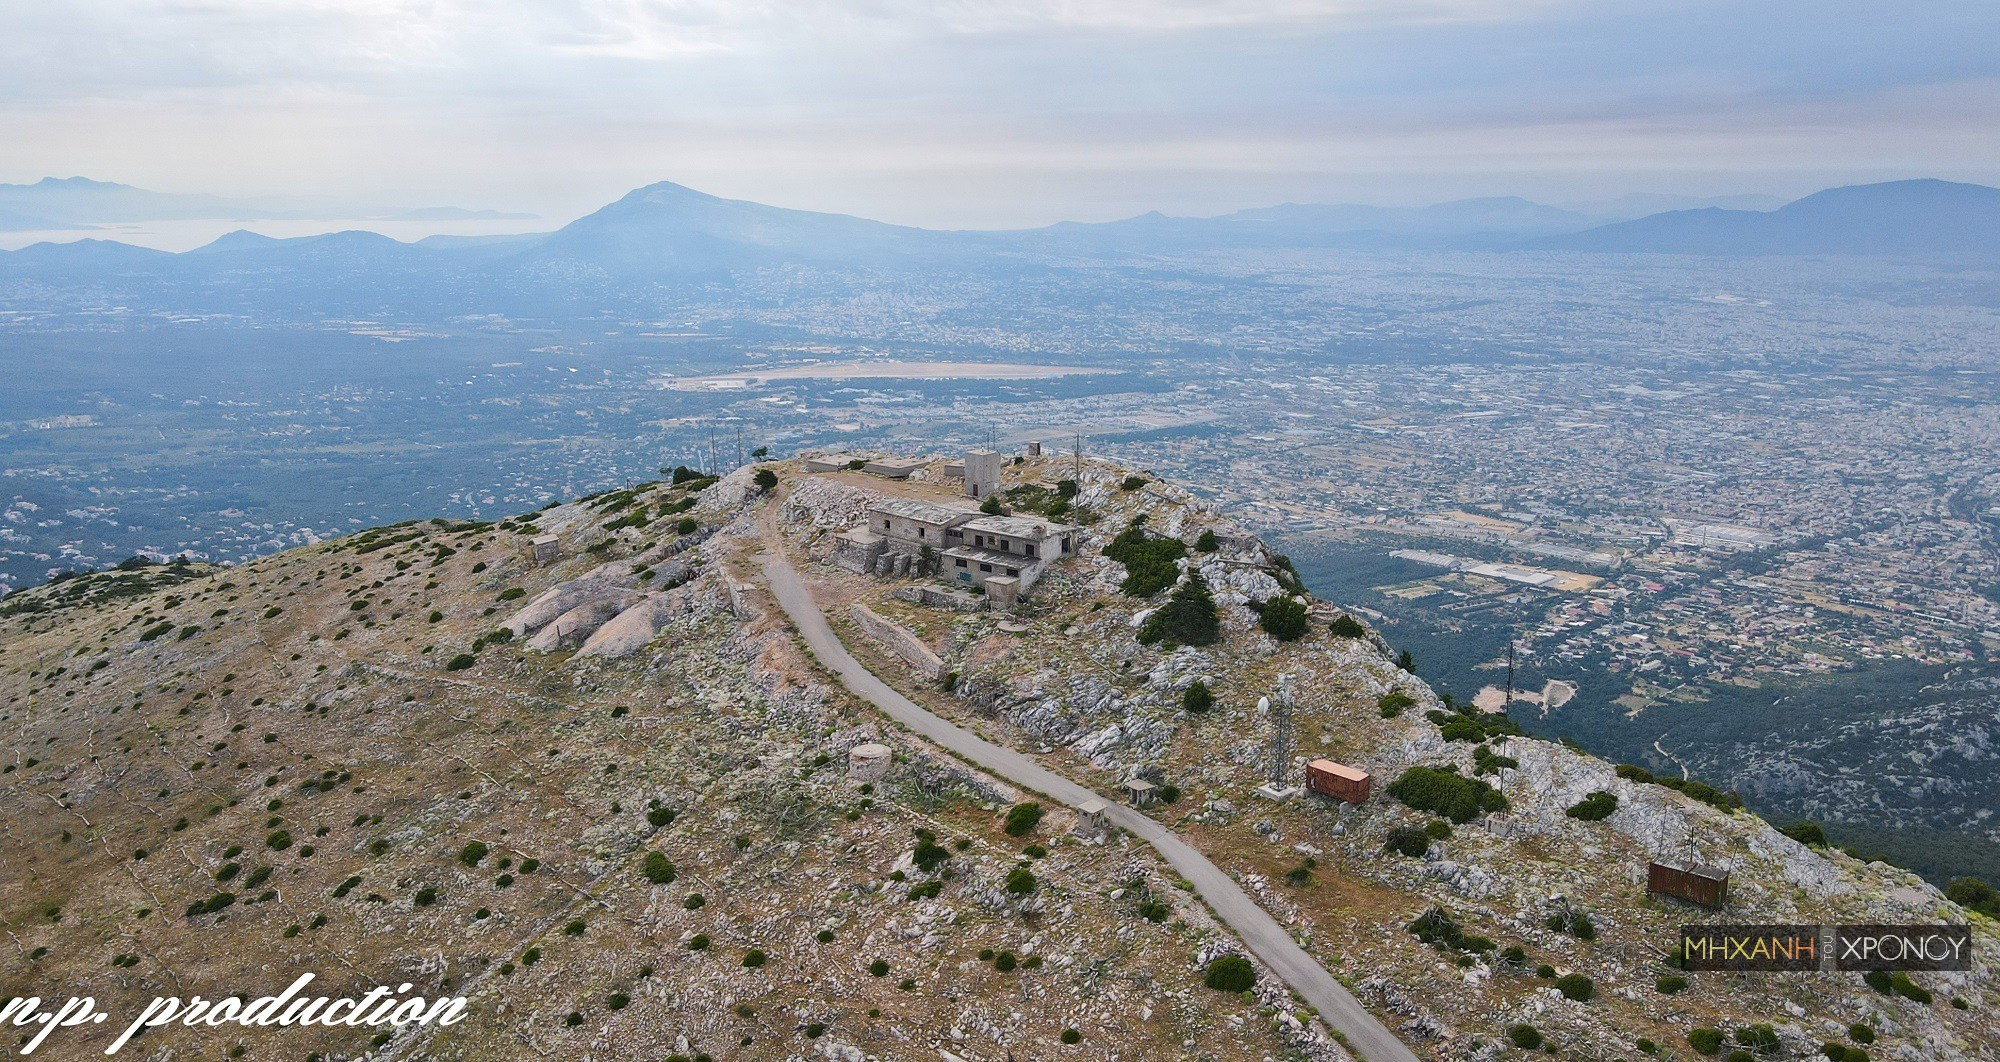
x=893, y=637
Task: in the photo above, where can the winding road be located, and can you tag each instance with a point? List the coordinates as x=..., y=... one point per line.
x=1261, y=933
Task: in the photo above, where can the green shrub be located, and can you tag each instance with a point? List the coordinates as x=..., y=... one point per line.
x=1762, y=1039
x=1230, y=973
x=1672, y=984
x=1392, y=703
x=460, y=662
x=1974, y=894
x=1411, y=841
x=513, y=593
x=1879, y=981
x=1861, y=1034
x=930, y=854
x=1908, y=989
x=1197, y=698
x=1576, y=986
x=1022, y=818
x=472, y=853
x=1806, y=833
x=1150, y=563
x=1207, y=543
x=278, y=841
x=1596, y=807
x=426, y=896
x=1005, y=962
x=753, y=958
x=1071, y=1036
x=1525, y=1037
x=1285, y=618
x=658, y=869
x=1188, y=617
x=1446, y=793
x=1705, y=1041
x=686, y=526
x=1133, y=482
x=698, y=942
x=1020, y=881
x=765, y=479
x=879, y=968
x=660, y=817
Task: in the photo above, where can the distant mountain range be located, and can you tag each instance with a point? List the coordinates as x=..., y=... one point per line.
x=56, y=203
x=666, y=233
x=1898, y=218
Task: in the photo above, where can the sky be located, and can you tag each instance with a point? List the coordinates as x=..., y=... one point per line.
x=957, y=113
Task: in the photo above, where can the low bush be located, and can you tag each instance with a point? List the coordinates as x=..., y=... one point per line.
x=1285, y=618
x=1705, y=1041
x=1197, y=698
x=1022, y=818
x=1596, y=807
x=1230, y=973
x=1411, y=841
x=1525, y=1037
x=1445, y=792
x=658, y=869
x=1576, y=986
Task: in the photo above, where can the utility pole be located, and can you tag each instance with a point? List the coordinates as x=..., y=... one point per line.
x=1078, y=474
x=1509, y=704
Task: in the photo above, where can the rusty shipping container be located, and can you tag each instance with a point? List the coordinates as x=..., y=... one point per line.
x=1706, y=886
x=1338, y=781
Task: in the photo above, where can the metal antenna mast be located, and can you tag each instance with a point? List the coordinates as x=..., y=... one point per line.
x=1509, y=705
x=1281, y=731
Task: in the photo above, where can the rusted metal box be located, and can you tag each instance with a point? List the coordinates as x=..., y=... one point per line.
x=1339, y=781
x=1706, y=886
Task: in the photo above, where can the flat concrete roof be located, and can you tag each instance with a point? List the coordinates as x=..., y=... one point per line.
x=924, y=511
x=1019, y=527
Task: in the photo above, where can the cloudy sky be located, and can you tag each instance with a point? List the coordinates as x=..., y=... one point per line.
x=960, y=113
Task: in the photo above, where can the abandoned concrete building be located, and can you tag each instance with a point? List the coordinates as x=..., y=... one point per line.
x=1001, y=555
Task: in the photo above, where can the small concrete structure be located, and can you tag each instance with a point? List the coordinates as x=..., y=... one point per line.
x=893, y=467
x=548, y=549
x=982, y=473
x=1277, y=793
x=1141, y=792
x=869, y=762
x=1093, y=821
x=858, y=550
x=830, y=462
x=1034, y=449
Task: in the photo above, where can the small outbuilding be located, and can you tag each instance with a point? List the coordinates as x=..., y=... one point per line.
x=869, y=762
x=831, y=462
x=1339, y=781
x=1706, y=886
x=893, y=467
x=548, y=549
x=1141, y=792
x=1093, y=820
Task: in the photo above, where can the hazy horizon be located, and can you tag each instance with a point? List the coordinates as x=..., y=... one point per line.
x=997, y=116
